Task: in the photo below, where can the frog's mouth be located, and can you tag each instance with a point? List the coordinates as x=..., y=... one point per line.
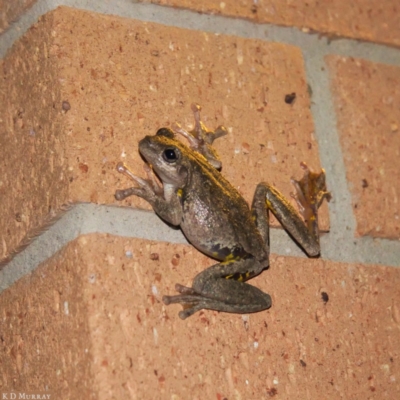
x=149, y=152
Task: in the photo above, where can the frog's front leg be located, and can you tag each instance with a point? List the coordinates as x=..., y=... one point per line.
x=311, y=191
x=201, y=138
x=222, y=287
x=167, y=207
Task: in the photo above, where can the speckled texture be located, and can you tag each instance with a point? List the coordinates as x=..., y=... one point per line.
x=92, y=99
x=145, y=76
x=33, y=163
x=359, y=19
x=367, y=98
x=12, y=10
x=332, y=332
x=45, y=329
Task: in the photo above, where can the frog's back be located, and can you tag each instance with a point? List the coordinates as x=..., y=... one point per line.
x=216, y=218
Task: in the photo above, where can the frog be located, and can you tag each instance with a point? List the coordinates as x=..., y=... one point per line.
x=185, y=187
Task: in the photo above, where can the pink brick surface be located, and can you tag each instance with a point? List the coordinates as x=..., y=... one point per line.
x=45, y=331
x=367, y=98
x=118, y=340
x=78, y=92
x=358, y=19
x=122, y=79
x=33, y=162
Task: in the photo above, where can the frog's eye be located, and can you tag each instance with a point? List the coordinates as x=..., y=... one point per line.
x=170, y=155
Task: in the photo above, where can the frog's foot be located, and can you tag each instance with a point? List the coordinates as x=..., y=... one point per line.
x=201, y=132
x=310, y=192
x=191, y=300
x=254, y=300
x=201, y=138
x=147, y=187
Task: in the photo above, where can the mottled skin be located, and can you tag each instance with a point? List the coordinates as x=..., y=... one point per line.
x=217, y=220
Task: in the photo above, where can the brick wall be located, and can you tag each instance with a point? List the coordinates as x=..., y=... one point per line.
x=82, y=277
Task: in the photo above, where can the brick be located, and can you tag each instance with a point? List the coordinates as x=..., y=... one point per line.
x=366, y=97
x=32, y=156
x=45, y=330
x=359, y=19
x=11, y=11
x=97, y=84
x=335, y=324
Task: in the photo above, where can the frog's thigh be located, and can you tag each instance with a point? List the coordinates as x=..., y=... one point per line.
x=268, y=197
x=223, y=285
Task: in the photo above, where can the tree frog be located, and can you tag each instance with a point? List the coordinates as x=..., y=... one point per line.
x=191, y=193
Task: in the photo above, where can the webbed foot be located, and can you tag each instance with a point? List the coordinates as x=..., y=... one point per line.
x=201, y=138
x=191, y=300
x=226, y=295
x=310, y=192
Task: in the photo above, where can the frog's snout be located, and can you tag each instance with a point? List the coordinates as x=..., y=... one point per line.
x=145, y=146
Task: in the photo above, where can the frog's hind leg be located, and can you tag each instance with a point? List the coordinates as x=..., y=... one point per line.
x=222, y=287
x=311, y=190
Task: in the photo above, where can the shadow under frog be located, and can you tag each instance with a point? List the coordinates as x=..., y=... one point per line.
x=216, y=219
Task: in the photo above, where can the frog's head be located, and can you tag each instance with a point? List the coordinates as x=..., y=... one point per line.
x=167, y=156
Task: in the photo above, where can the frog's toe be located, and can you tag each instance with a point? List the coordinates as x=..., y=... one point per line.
x=190, y=304
x=119, y=194
x=182, y=299
x=188, y=312
x=167, y=300
x=310, y=190
x=123, y=194
x=184, y=314
x=219, y=132
x=185, y=289
x=190, y=300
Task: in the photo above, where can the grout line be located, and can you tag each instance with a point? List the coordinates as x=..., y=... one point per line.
x=344, y=245
x=341, y=217
x=18, y=28
x=217, y=24
x=86, y=218
x=339, y=245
